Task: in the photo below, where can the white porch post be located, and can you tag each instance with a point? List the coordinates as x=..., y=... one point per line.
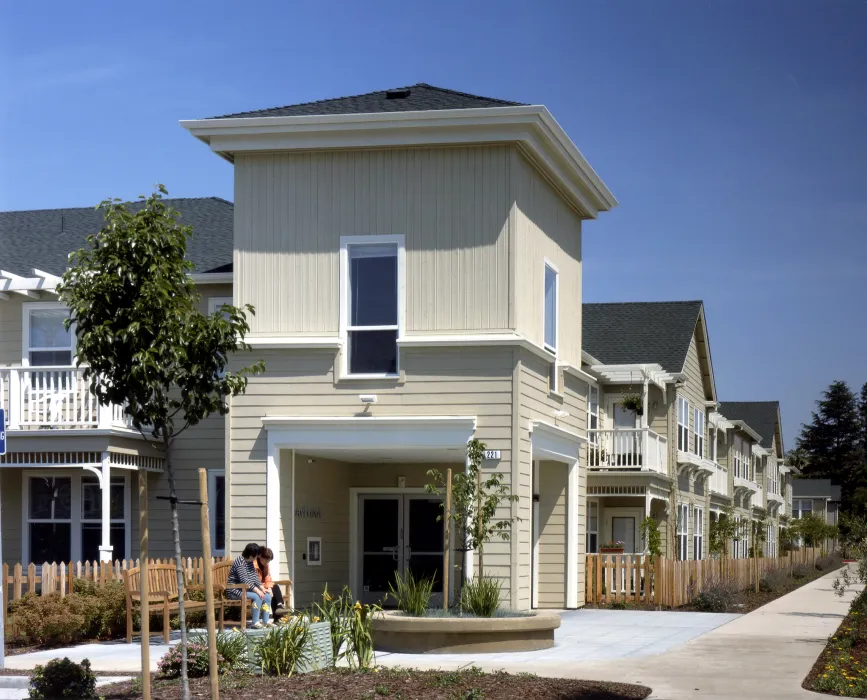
x=14, y=399
x=644, y=404
x=105, y=549
x=534, y=573
x=272, y=501
x=572, y=543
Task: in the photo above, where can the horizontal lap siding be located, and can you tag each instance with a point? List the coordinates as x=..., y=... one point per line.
x=537, y=403
x=452, y=382
x=451, y=204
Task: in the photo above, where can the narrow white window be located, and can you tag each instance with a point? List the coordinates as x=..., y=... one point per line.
x=48, y=341
x=698, y=432
x=682, y=424
x=217, y=510
x=550, y=308
x=698, y=533
x=592, y=527
x=683, y=532
x=214, y=304
x=371, y=312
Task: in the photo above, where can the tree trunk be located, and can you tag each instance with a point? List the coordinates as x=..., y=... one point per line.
x=176, y=533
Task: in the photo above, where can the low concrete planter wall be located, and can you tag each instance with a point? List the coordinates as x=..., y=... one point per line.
x=318, y=647
x=398, y=633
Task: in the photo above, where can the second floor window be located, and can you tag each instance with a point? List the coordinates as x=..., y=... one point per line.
x=698, y=428
x=802, y=507
x=550, y=309
x=682, y=424
x=49, y=343
x=372, y=305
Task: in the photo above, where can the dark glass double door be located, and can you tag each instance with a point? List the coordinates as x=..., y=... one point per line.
x=399, y=533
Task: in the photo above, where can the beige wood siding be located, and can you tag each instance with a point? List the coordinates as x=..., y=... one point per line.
x=537, y=403
x=552, y=534
x=547, y=229
x=452, y=205
x=475, y=382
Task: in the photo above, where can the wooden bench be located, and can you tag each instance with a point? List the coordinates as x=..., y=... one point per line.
x=222, y=586
x=162, y=596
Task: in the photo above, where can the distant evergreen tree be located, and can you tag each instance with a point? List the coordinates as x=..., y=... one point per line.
x=832, y=442
x=862, y=410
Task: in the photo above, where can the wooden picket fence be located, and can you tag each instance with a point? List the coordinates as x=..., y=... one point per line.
x=54, y=578
x=632, y=578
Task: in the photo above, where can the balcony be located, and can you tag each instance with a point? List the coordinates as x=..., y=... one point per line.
x=54, y=398
x=775, y=498
x=743, y=484
x=758, y=500
x=719, y=480
x=631, y=450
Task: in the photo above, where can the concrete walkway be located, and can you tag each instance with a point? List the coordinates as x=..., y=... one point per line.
x=765, y=654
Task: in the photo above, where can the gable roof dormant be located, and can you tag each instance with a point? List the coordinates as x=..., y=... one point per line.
x=420, y=97
x=44, y=238
x=815, y=488
x=761, y=416
x=417, y=115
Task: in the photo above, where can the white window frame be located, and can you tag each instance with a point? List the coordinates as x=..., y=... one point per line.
x=75, y=519
x=556, y=320
x=683, y=428
x=683, y=532
x=595, y=505
x=698, y=435
x=26, y=308
x=213, y=474
x=346, y=242
x=798, y=511
x=698, y=533
x=215, y=303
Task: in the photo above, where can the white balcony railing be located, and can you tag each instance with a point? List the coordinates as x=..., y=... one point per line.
x=758, y=499
x=638, y=449
x=53, y=397
x=719, y=480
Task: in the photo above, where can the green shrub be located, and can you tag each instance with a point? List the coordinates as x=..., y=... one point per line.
x=411, y=594
x=829, y=562
x=282, y=648
x=62, y=678
x=109, y=621
x=231, y=647
x=482, y=596
x=801, y=571
x=335, y=610
x=52, y=620
x=198, y=661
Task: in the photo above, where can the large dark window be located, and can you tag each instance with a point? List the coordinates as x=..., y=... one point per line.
x=373, y=309
x=50, y=519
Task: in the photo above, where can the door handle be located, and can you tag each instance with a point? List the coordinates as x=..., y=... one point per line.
x=407, y=553
x=393, y=551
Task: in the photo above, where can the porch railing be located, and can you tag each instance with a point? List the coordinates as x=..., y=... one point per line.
x=719, y=480
x=759, y=498
x=638, y=449
x=53, y=397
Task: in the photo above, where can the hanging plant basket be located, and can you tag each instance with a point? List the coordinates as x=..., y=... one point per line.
x=632, y=402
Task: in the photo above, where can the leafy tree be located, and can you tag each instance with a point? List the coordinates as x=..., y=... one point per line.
x=832, y=441
x=475, y=500
x=722, y=532
x=862, y=415
x=649, y=529
x=758, y=537
x=813, y=530
x=798, y=459
x=141, y=339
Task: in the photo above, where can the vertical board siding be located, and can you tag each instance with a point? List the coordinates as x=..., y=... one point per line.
x=452, y=204
x=547, y=228
x=552, y=534
x=452, y=382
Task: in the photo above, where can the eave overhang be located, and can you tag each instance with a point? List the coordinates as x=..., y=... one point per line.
x=532, y=127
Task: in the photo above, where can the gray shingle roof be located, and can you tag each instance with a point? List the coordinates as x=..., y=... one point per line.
x=761, y=416
x=412, y=98
x=815, y=488
x=652, y=332
x=43, y=238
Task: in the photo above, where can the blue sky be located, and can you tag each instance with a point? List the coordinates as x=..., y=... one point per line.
x=733, y=133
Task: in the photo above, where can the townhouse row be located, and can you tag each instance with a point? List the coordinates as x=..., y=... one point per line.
x=414, y=258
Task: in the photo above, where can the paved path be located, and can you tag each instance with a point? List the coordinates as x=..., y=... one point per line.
x=764, y=655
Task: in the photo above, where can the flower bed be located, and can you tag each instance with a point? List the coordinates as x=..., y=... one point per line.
x=317, y=648
x=841, y=669
x=394, y=631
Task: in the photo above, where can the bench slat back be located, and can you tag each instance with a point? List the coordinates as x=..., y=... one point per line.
x=161, y=577
x=221, y=572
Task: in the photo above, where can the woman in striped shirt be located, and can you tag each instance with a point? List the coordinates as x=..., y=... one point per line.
x=244, y=571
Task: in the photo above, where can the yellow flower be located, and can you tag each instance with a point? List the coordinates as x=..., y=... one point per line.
x=327, y=596
x=316, y=618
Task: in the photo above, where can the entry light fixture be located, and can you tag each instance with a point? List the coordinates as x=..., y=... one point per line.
x=367, y=398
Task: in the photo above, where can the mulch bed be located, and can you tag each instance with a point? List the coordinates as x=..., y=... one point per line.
x=402, y=684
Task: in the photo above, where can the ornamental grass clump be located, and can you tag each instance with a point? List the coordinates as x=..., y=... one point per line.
x=411, y=594
x=231, y=648
x=481, y=597
x=282, y=649
x=359, y=637
x=335, y=610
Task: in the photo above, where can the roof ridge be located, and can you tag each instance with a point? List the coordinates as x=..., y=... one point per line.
x=131, y=201
x=634, y=303
x=465, y=94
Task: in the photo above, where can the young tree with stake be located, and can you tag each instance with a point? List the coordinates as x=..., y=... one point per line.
x=142, y=341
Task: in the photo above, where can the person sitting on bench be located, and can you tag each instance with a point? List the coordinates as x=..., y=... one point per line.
x=263, y=568
x=244, y=571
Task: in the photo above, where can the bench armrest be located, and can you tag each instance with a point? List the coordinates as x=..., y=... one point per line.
x=285, y=582
x=155, y=595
